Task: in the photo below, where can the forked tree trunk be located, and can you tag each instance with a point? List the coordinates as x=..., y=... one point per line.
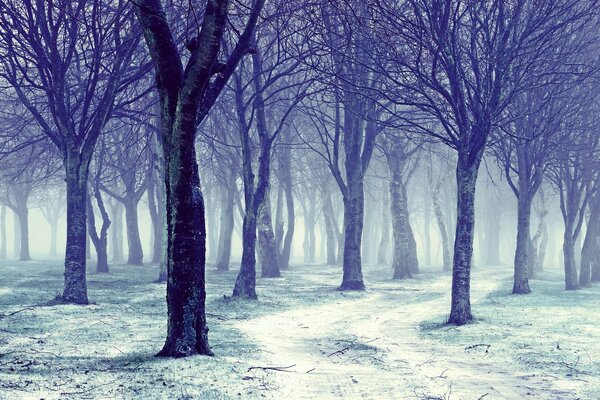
x=590, y=245
x=466, y=179
x=100, y=241
x=75, y=289
x=136, y=254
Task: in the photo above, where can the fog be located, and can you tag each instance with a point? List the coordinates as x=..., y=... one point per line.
x=283, y=199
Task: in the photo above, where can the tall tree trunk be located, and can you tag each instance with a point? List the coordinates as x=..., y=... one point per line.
x=590, y=244
x=23, y=214
x=330, y=229
x=441, y=223
x=466, y=179
x=2, y=231
x=245, y=284
x=427, y=226
x=100, y=241
x=116, y=211
x=211, y=224
x=402, y=261
x=53, y=237
x=384, y=244
x=267, y=247
x=75, y=289
x=571, y=281
x=521, y=280
x=16, y=235
x=136, y=254
x=286, y=182
x=226, y=224
x=157, y=229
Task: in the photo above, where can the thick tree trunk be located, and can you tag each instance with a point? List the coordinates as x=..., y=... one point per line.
x=226, y=225
x=466, y=179
x=522, y=252
x=187, y=331
x=23, y=214
x=267, y=247
x=136, y=254
x=75, y=290
x=402, y=261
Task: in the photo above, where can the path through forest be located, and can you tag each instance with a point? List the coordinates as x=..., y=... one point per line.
x=376, y=347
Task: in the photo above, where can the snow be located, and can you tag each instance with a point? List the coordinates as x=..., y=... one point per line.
x=302, y=339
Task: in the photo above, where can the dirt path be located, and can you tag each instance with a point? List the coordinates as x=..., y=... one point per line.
x=373, y=347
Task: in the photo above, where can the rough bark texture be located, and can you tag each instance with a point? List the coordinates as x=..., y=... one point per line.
x=100, y=241
x=466, y=178
x=75, y=289
x=522, y=252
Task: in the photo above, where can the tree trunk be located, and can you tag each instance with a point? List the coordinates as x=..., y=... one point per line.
x=116, y=232
x=571, y=282
x=75, y=290
x=590, y=245
x=245, y=284
x=136, y=254
x=426, y=228
x=521, y=280
x=100, y=241
x=226, y=225
x=23, y=214
x=267, y=247
x=399, y=211
x=211, y=225
x=384, y=244
x=157, y=228
x=329, y=216
x=2, y=231
x=17, y=235
x=441, y=223
x=466, y=179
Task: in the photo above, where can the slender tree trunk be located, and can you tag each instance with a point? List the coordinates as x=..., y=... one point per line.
x=23, y=214
x=426, y=228
x=245, y=284
x=17, y=235
x=211, y=225
x=329, y=216
x=590, y=244
x=571, y=281
x=226, y=225
x=2, y=231
x=53, y=237
x=157, y=227
x=116, y=209
x=521, y=280
x=75, y=290
x=466, y=179
x=267, y=247
x=441, y=223
x=384, y=244
x=100, y=241
x=136, y=254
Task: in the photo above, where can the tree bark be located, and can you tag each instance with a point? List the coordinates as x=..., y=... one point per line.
x=571, y=281
x=441, y=223
x=116, y=211
x=75, y=288
x=466, y=179
x=2, y=231
x=590, y=245
x=330, y=229
x=226, y=224
x=384, y=244
x=267, y=247
x=522, y=252
x=23, y=214
x=135, y=252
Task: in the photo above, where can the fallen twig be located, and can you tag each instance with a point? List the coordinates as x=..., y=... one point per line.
x=281, y=369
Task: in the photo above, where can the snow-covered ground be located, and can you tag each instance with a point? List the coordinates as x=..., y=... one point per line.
x=302, y=339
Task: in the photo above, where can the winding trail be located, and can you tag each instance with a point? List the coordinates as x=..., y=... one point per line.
x=373, y=347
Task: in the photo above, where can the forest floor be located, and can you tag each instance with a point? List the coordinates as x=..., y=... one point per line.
x=302, y=339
